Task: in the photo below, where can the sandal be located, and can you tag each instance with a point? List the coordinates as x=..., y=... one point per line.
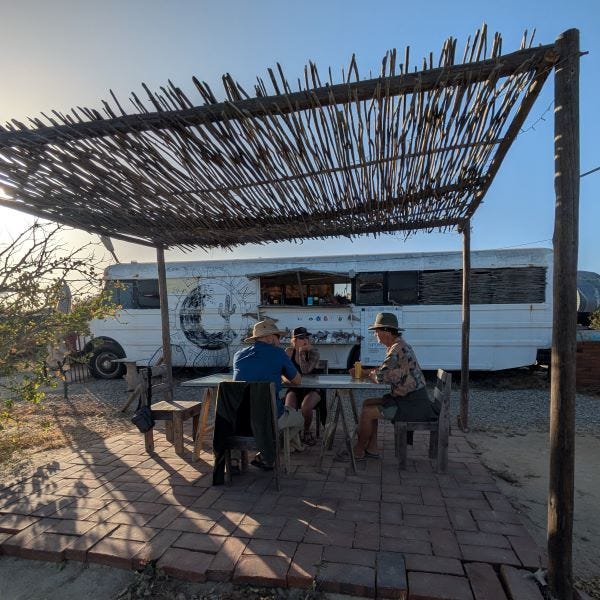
x=308, y=438
x=261, y=464
x=370, y=454
x=344, y=456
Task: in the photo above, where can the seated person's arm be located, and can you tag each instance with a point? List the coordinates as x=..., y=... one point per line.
x=295, y=380
x=308, y=359
x=290, y=373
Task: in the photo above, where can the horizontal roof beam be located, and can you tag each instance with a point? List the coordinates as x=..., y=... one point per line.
x=421, y=81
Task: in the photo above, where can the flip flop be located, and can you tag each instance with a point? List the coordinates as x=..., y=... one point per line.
x=372, y=454
x=344, y=456
x=257, y=462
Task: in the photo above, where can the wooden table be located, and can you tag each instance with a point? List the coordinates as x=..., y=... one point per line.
x=340, y=399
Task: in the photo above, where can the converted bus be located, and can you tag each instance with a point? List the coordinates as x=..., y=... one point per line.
x=214, y=304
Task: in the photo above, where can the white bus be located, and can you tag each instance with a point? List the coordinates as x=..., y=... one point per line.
x=213, y=305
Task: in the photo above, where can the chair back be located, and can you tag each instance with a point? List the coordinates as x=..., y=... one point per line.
x=238, y=402
x=155, y=385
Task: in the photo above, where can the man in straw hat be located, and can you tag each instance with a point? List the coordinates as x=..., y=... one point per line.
x=265, y=360
x=408, y=400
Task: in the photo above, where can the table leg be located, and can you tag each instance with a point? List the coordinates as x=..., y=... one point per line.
x=333, y=414
x=348, y=437
x=207, y=400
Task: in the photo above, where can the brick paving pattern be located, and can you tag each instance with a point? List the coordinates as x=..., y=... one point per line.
x=379, y=533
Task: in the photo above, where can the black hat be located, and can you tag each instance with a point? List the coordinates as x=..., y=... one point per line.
x=300, y=332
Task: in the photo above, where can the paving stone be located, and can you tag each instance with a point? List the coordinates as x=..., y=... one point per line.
x=344, y=579
x=78, y=548
x=154, y=548
x=502, y=516
x=529, y=553
x=114, y=552
x=489, y=554
x=427, y=522
x=519, y=584
x=304, y=565
x=271, y=548
x=481, y=538
x=461, y=519
x=16, y=523
x=484, y=582
x=200, y=542
x=259, y=570
x=431, y=496
x=443, y=543
x=422, y=509
x=404, y=545
x=293, y=530
x=497, y=501
x=349, y=556
x=223, y=564
x=433, y=564
x=69, y=527
x=166, y=517
x=185, y=564
x=191, y=525
x=132, y=532
x=391, y=576
x=433, y=586
x=502, y=528
x=402, y=531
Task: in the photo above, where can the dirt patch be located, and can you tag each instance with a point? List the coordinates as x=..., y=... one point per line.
x=32, y=431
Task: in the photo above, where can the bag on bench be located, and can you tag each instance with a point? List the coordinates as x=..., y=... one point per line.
x=142, y=418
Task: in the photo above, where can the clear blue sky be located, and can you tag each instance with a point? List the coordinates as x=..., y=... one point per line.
x=66, y=53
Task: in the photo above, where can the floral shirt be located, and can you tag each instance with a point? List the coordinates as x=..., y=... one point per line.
x=401, y=369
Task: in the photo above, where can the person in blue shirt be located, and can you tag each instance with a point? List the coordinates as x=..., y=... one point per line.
x=265, y=360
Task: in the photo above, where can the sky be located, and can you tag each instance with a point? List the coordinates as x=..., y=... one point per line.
x=65, y=53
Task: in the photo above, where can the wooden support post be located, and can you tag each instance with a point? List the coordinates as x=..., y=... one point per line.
x=463, y=418
x=562, y=391
x=164, y=317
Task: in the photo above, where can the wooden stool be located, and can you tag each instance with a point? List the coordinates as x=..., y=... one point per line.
x=174, y=414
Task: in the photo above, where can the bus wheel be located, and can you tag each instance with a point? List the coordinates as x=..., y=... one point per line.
x=101, y=365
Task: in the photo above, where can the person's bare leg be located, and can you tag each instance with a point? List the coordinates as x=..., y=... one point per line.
x=308, y=405
x=367, y=427
x=291, y=400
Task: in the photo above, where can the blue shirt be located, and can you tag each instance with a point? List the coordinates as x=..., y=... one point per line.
x=264, y=362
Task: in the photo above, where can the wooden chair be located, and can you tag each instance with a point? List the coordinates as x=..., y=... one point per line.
x=173, y=412
x=244, y=443
x=439, y=431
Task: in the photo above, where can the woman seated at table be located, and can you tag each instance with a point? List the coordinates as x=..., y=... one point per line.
x=306, y=359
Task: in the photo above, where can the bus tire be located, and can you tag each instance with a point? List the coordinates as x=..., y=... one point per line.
x=101, y=365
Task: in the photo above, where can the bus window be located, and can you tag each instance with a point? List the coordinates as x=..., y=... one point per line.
x=147, y=293
x=133, y=293
x=369, y=289
x=403, y=288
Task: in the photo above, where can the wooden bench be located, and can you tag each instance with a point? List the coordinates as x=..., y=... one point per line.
x=173, y=412
x=439, y=431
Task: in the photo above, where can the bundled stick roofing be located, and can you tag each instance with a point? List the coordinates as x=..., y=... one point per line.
x=403, y=151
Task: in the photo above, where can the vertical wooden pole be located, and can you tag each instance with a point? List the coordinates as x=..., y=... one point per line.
x=562, y=391
x=463, y=418
x=164, y=318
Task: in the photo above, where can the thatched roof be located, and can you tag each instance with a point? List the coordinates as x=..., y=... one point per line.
x=400, y=152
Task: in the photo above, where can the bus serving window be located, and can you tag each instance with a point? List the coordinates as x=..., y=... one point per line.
x=133, y=293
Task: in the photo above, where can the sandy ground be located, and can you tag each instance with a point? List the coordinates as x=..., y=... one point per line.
x=521, y=465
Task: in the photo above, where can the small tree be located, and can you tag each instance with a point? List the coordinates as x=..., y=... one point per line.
x=36, y=270
x=595, y=319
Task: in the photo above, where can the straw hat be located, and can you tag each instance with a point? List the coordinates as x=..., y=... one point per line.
x=385, y=320
x=263, y=328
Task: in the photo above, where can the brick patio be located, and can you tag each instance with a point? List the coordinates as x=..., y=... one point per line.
x=417, y=535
